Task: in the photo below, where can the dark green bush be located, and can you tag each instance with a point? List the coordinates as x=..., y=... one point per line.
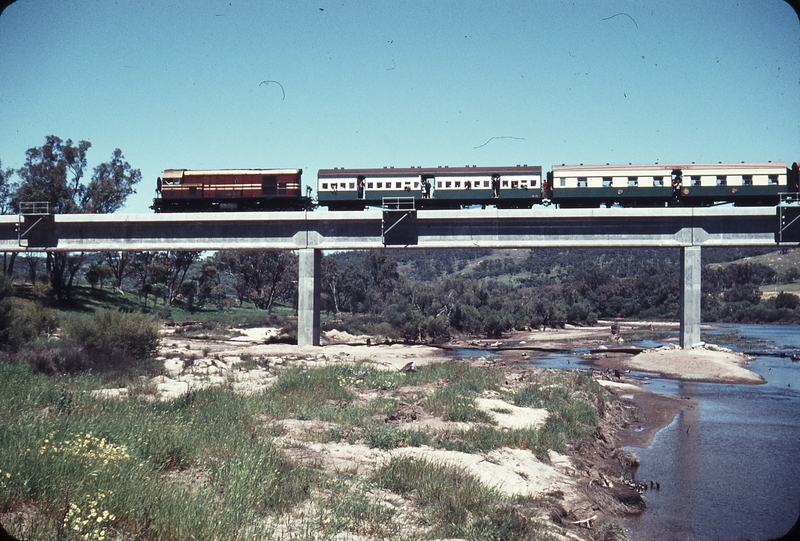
x=53, y=358
x=20, y=325
x=135, y=334
x=28, y=324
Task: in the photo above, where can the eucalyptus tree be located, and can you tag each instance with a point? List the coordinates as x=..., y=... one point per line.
x=261, y=277
x=53, y=173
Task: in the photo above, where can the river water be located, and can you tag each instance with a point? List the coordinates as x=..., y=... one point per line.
x=728, y=469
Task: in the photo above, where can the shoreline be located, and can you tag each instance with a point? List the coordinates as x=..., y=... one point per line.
x=590, y=485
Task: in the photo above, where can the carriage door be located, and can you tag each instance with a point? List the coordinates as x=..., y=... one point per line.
x=269, y=185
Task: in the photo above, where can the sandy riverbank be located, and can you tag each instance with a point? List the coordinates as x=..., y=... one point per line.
x=712, y=365
x=587, y=487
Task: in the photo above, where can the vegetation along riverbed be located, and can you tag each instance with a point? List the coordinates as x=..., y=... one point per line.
x=169, y=410
x=242, y=439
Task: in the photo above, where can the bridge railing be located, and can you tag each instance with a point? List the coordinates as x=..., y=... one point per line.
x=34, y=208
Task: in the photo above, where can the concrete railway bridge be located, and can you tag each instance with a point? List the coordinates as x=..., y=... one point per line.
x=399, y=226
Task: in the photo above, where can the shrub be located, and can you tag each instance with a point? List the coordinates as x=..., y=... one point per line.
x=54, y=358
x=29, y=323
x=110, y=330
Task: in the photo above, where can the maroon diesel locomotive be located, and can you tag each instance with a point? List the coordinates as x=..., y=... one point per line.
x=182, y=190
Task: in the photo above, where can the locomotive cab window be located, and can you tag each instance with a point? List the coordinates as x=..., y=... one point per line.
x=772, y=179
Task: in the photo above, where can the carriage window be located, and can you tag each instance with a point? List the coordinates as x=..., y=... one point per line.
x=695, y=180
x=380, y=185
x=398, y=184
x=447, y=184
x=514, y=184
x=505, y=184
x=416, y=184
x=606, y=182
x=633, y=181
x=439, y=184
x=324, y=185
x=562, y=182
x=722, y=180
x=352, y=185
x=369, y=185
x=747, y=180
x=458, y=184
x=533, y=183
x=485, y=183
x=658, y=181
x=772, y=179
x=581, y=182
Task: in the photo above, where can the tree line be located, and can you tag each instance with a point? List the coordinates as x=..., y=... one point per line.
x=416, y=295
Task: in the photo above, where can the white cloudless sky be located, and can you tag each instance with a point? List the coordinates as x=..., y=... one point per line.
x=260, y=84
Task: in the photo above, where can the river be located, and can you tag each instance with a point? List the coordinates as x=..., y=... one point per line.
x=730, y=468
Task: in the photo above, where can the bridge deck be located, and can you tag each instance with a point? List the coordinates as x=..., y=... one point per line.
x=489, y=228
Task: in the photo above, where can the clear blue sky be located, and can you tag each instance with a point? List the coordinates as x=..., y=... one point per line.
x=180, y=84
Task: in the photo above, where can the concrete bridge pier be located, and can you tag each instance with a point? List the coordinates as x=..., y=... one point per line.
x=691, y=268
x=309, y=287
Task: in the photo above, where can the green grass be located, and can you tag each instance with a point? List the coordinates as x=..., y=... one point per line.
x=85, y=299
x=206, y=465
x=455, y=503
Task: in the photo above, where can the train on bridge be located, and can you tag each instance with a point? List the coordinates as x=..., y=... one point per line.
x=504, y=187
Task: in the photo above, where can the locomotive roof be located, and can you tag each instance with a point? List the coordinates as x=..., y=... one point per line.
x=434, y=171
x=190, y=172
x=670, y=166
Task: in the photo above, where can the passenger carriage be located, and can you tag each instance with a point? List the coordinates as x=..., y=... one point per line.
x=658, y=185
x=743, y=184
x=431, y=188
